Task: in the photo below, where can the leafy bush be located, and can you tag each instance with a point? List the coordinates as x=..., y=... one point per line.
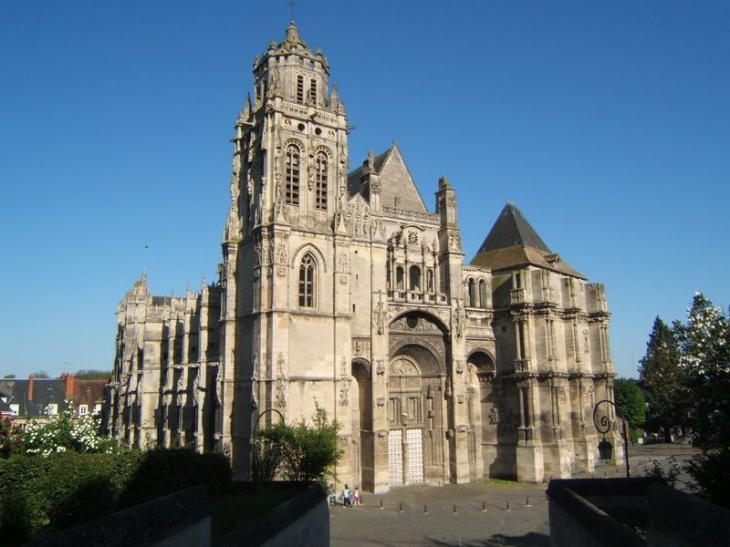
x=159, y=472
x=711, y=473
x=667, y=476
x=303, y=452
x=43, y=495
x=9, y=437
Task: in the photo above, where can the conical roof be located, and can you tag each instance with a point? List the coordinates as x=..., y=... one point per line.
x=513, y=243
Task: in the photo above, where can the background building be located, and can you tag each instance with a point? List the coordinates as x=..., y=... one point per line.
x=341, y=289
x=42, y=399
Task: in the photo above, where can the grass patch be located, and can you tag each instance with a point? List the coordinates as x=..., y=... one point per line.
x=502, y=483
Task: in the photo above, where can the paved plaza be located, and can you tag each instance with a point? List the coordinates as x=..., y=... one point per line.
x=479, y=514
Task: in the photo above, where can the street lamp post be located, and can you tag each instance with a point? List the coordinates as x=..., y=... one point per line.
x=603, y=425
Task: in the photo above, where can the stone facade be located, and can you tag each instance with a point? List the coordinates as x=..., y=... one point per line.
x=340, y=289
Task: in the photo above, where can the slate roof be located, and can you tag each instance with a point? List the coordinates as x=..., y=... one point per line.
x=353, y=177
x=512, y=228
x=5, y=408
x=513, y=242
x=88, y=392
x=45, y=391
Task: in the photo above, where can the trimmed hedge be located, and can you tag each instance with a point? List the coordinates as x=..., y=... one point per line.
x=43, y=495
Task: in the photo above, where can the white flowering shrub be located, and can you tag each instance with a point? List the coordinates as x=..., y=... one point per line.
x=704, y=343
x=64, y=432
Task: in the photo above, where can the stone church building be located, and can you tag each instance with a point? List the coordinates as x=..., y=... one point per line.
x=340, y=289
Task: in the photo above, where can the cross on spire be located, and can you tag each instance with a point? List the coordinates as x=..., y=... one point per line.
x=292, y=3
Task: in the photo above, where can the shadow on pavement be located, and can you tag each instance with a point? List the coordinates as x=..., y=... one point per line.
x=531, y=539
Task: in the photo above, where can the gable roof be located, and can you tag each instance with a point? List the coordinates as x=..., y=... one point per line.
x=513, y=243
x=397, y=188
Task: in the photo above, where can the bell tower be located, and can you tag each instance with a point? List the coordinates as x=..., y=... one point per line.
x=290, y=159
x=285, y=223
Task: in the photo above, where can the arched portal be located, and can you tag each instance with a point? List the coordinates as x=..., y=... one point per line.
x=416, y=400
x=405, y=418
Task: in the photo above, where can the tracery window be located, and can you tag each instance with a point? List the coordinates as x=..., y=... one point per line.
x=320, y=187
x=292, y=174
x=307, y=275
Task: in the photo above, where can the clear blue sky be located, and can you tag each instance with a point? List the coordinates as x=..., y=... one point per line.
x=606, y=123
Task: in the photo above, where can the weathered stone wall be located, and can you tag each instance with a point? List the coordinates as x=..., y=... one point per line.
x=602, y=513
x=301, y=520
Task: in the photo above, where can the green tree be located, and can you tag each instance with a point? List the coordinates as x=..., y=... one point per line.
x=704, y=343
x=631, y=403
x=299, y=452
x=661, y=378
x=705, y=357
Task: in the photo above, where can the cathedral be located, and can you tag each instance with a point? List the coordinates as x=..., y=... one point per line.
x=340, y=289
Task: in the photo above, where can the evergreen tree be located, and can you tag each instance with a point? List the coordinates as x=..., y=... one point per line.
x=660, y=377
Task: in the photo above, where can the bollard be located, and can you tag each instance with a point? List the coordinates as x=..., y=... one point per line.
x=507, y=505
x=605, y=474
x=455, y=511
x=381, y=504
x=425, y=509
x=400, y=507
x=527, y=502
x=484, y=507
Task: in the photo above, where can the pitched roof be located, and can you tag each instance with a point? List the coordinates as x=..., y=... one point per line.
x=32, y=402
x=513, y=243
x=397, y=188
x=512, y=228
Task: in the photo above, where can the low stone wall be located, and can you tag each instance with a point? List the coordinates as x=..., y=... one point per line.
x=603, y=513
x=181, y=519
x=301, y=520
x=576, y=521
x=680, y=519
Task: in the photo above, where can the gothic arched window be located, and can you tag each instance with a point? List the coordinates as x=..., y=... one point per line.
x=482, y=293
x=307, y=278
x=320, y=184
x=473, y=296
x=292, y=174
